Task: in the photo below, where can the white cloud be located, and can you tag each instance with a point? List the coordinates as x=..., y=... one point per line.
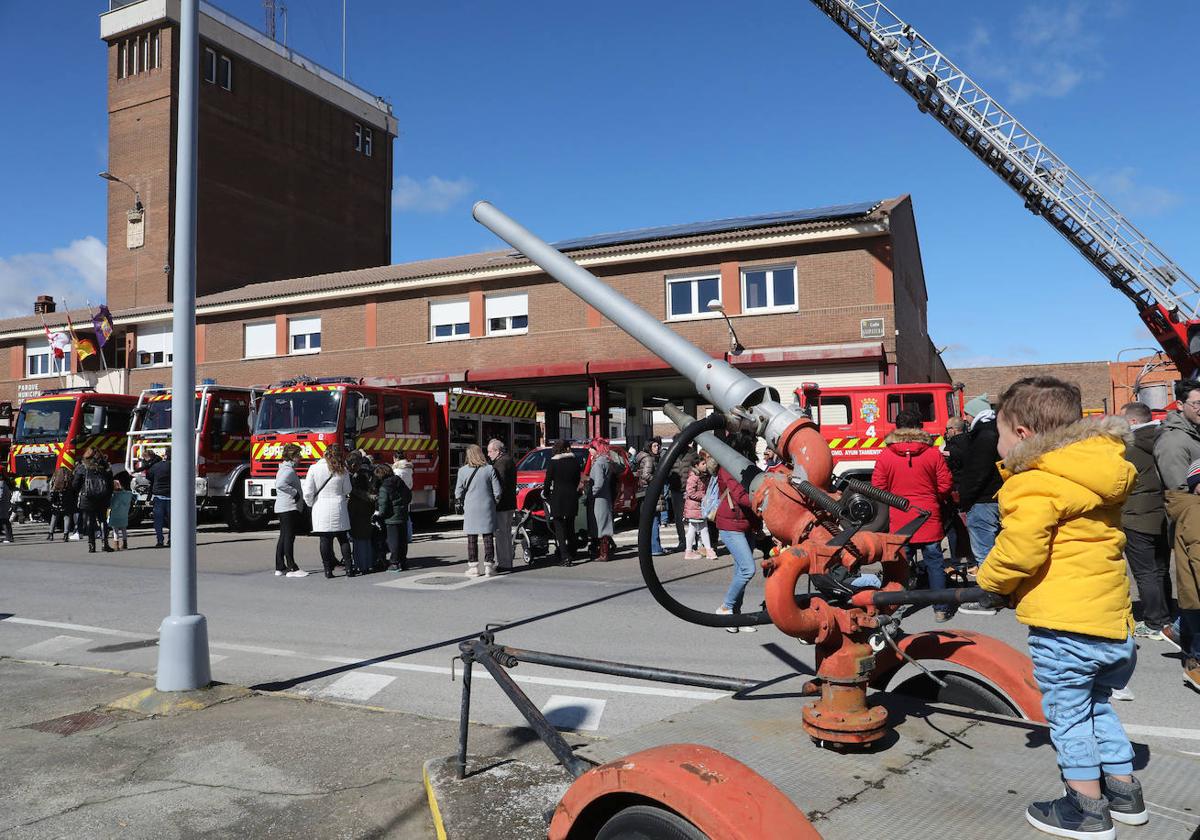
x=958, y=356
x=1136, y=199
x=432, y=195
x=76, y=273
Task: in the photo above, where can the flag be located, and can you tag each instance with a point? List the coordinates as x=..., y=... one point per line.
x=57, y=341
x=103, y=325
x=83, y=347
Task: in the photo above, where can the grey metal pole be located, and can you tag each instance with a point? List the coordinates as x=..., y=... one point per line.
x=183, y=636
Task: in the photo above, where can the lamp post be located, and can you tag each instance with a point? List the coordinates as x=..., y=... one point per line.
x=137, y=198
x=735, y=346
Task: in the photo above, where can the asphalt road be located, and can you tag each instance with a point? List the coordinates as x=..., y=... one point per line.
x=387, y=640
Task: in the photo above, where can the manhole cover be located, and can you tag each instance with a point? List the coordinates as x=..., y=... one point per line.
x=440, y=580
x=70, y=724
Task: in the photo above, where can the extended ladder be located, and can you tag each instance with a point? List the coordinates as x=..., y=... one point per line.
x=1167, y=299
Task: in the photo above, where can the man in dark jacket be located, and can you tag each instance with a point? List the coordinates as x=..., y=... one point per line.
x=1177, y=447
x=1144, y=521
x=159, y=476
x=978, y=483
x=506, y=471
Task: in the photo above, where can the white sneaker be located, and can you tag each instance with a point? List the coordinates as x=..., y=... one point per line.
x=491, y=571
x=74, y=536
x=278, y=573
x=1122, y=694
x=749, y=628
x=298, y=573
x=471, y=572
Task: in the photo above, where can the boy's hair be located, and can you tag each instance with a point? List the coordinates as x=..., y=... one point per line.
x=1041, y=403
x=1137, y=412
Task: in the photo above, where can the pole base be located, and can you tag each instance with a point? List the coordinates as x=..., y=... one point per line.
x=183, y=654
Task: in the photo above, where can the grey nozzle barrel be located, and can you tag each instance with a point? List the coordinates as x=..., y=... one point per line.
x=733, y=461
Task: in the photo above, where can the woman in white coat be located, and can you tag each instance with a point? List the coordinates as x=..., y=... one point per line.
x=326, y=488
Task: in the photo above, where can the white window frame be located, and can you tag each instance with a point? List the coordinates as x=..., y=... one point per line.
x=271, y=347
x=770, y=307
x=122, y=59
x=444, y=305
x=506, y=307
x=304, y=328
x=144, y=49
x=358, y=137
x=700, y=308
x=227, y=62
x=154, y=49
x=39, y=349
x=210, y=65
x=368, y=141
x=159, y=338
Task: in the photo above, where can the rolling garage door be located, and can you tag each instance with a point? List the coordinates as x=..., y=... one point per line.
x=787, y=380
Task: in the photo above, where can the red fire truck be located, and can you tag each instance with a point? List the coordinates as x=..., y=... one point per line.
x=223, y=426
x=855, y=420
x=54, y=430
x=430, y=430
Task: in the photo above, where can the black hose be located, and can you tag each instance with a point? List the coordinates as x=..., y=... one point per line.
x=872, y=492
x=646, y=517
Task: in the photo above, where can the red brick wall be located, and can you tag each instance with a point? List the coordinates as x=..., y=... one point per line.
x=1091, y=377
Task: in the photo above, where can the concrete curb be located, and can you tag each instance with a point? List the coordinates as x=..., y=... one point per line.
x=152, y=702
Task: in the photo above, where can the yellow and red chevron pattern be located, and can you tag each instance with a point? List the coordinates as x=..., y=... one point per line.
x=293, y=388
x=102, y=443
x=493, y=406
x=396, y=444
x=310, y=450
x=236, y=445
x=836, y=444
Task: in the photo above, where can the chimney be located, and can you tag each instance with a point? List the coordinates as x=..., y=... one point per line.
x=44, y=305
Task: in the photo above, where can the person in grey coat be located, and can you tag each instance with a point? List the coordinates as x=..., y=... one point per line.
x=289, y=500
x=1178, y=444
x=478, y=488
x=599, y=500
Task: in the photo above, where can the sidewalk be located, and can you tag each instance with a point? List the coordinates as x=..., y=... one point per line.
x=252, y=765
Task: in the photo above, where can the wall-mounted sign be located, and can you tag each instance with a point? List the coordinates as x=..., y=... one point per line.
x=871, y=327
x=135, y=229
x=28, y=389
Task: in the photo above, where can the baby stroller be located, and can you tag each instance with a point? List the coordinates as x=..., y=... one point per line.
x=533, y=537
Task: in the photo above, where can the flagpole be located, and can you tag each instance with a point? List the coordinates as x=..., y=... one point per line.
x=100, y=341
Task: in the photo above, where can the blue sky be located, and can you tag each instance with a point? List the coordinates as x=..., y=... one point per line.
x=580, y=119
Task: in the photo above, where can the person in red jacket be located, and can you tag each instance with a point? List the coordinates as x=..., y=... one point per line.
x=736, y=524
x=912, y=467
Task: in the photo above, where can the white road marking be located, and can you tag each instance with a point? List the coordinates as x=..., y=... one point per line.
x=358, y=687
x=251, y=649
x=52, y=646
x=574, y=713
x=1175, y=811
x=82, y=628
x=1162, y=731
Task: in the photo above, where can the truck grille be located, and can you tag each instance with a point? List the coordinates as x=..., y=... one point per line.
x=41, y=464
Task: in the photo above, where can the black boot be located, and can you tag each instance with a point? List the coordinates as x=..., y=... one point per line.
x=91, y=547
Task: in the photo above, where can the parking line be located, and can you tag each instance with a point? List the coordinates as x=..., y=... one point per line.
x=52, y=646
x=1162, y=731
x=357, y=687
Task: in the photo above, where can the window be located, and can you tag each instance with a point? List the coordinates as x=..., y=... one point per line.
x=210, y=65
x=449, y=320
x=832, y=411
x=225, y=72
x=258, y=340
x=155, y=61
x=304, y=335
x=364, y=139
x=40, y=361
x=368, y=141
x=122, y=59
x=144, y=42
x=154, y=345
x=921, y=403
x=688, y=297
x=418, y=416
x=362, y=415
x=358, y=137
x=393, y=415
x=767, y=289
x=507, y=314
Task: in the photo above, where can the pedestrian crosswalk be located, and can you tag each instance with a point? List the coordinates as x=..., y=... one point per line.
x=53, y=646
x=356, y=687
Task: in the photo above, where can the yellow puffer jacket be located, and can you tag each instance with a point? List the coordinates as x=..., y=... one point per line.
x=1060, y=548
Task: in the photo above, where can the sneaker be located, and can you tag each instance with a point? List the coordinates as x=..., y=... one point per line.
x=749, y=628
x=297, y=573
x=691, y=555
x=975, y=608
x=941, y=616
x=1073, y=815
x=1191, y=672
x=1125, y=801
x=471, y=571
x=1170, y=635
x=1122, y=694
x=490, y=570
x=1144, y=631
x=74, y=537
x=278, y=573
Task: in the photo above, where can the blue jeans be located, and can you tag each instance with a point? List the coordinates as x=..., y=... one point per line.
x=655, y=536
x=743, y=567
x=935, y=563
x=162, y=517
x=1077, y=675
x=983, y=524
x=1188, y=625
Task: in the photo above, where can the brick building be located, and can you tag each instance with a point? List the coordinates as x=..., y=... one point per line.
x=833, y=295
x=1093, y=378
x=295, y=163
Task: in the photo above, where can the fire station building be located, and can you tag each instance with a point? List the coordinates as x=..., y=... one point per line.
x=294, y=232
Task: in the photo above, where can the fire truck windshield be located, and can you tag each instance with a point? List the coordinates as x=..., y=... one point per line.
x=44, y=420
x=298, y=412
x=158, y=415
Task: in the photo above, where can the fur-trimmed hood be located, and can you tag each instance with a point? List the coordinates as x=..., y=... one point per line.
x=1089, y=452
x=909, y=436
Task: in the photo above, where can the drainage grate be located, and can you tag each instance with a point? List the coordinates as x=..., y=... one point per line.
x=440, y=580
x=70, y=724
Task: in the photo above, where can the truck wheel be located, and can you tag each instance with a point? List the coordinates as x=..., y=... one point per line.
x=241, y=514
x=960, y=690
x=647, y=822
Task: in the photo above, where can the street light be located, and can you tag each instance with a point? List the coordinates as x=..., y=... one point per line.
x=735, y=346
x=137, y=199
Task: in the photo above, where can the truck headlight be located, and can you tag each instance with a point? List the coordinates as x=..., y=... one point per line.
x=254, y=489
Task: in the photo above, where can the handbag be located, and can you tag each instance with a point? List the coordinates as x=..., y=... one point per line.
x=460, y=502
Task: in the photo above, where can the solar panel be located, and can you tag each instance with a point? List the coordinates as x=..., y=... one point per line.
x=816, y=214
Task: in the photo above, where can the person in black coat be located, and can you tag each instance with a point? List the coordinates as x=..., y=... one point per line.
x=158, y=473
x=392, y=507
x=561, y=493
x=94, y=486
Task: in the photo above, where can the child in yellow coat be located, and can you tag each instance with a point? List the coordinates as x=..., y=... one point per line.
x=1059, y=557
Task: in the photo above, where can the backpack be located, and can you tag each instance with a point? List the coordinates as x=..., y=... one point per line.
x=94, y=485
x=711, y=500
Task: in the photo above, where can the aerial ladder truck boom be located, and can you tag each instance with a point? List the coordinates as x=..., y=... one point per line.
x=1166, y=297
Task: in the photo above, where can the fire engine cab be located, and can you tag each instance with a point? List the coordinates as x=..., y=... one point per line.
x=223, y=425
x=54, y=430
